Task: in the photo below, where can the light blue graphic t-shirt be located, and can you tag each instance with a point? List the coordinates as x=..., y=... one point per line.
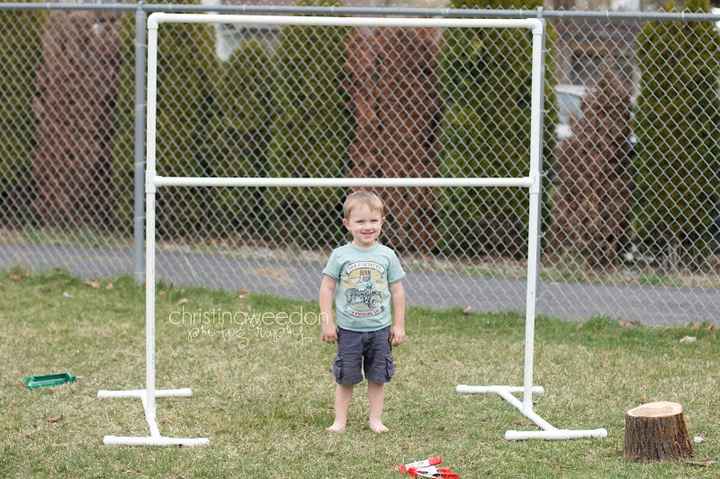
x=362, y=294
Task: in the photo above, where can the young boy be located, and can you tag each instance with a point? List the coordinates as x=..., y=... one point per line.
x=363, y=278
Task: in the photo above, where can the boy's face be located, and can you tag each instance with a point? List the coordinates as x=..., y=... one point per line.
x=364, y=224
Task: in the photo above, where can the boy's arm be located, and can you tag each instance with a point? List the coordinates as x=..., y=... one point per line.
x=397, y=332
x=327, y=321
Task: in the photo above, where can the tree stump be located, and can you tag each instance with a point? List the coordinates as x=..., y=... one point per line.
x=656, y=432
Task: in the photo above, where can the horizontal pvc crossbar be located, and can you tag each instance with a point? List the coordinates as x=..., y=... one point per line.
x=534, y=24
x=340, y=182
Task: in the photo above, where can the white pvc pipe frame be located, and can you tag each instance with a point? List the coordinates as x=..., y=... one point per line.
x=532, y=182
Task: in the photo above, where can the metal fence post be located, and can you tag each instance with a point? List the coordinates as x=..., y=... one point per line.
x=139, y=142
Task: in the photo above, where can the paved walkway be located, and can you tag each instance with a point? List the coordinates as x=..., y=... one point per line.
x=299, y=280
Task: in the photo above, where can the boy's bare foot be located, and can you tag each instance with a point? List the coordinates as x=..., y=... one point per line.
x=336, y=428
x=377, y=426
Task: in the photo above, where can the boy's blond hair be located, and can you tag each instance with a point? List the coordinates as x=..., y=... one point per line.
x=373, y=201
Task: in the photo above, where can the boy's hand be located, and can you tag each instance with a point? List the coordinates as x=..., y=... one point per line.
x=329, y=333
x=397, y=335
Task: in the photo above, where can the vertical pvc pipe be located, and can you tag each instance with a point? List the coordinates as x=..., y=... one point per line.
x=139, y=142
x=536, y=127
x=150, y=219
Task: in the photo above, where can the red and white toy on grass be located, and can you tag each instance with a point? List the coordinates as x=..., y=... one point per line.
x=428, y=468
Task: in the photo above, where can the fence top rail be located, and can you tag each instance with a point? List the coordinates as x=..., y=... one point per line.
x=365, y=11
x=162, y=17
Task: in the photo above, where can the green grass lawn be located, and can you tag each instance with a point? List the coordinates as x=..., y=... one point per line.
x=263, y=393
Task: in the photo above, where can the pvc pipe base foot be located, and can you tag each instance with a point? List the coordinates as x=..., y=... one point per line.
x=155, y=441
x=548, y=431
x=556, y=434
x=466, y=389
x=140, y=393
x=155, y=438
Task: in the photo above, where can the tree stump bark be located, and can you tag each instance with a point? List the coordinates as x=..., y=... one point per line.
x=656, y=432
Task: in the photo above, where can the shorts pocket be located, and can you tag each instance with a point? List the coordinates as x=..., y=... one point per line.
x=337, y=368
x=389, y=367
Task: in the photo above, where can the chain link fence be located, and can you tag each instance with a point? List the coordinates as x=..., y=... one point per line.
x=631, y=205
x=61, y=117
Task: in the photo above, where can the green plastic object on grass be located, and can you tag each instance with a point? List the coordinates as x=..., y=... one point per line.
x=48, y=380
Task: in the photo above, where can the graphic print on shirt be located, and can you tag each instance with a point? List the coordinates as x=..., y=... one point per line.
x=363, y=281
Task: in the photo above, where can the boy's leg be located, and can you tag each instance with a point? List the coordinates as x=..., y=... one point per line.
x=379, y=369
x=347, y=369
x=343, y=396
x=376, y=398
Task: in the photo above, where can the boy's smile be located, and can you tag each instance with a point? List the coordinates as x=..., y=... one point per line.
x=365, y=225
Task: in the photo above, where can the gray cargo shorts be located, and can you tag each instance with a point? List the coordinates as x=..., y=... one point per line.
x=369, y=353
